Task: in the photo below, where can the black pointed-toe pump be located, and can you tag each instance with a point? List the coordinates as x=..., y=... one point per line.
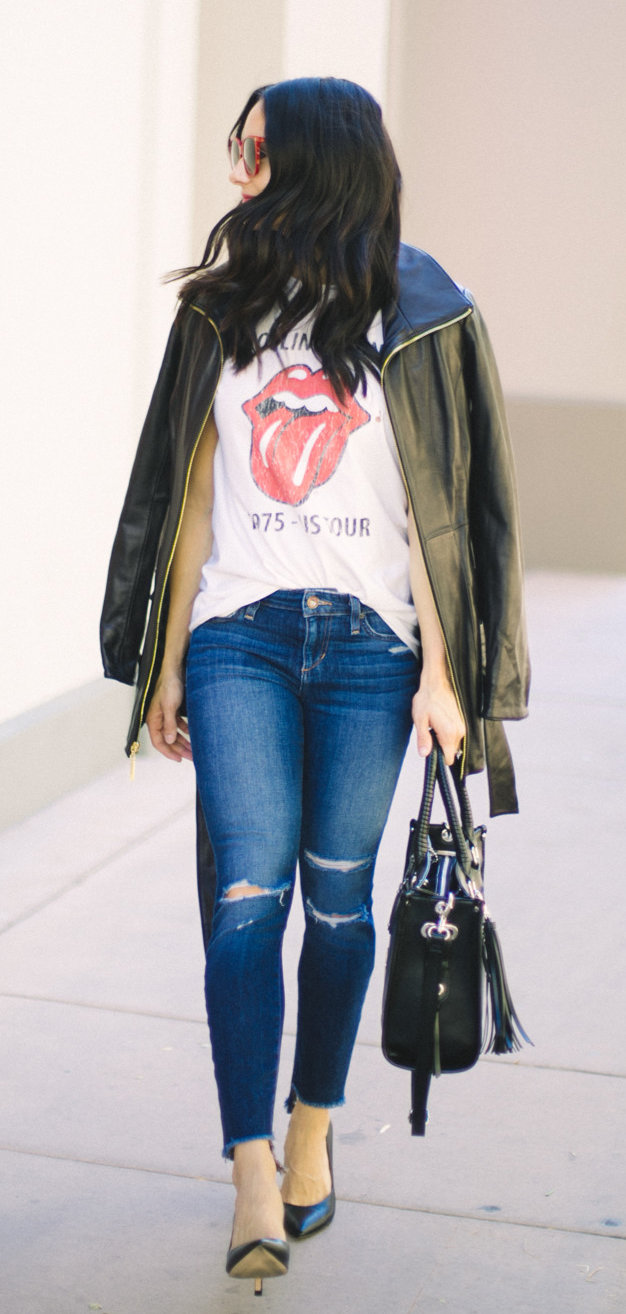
x=303, y=1220
x=268, y=1257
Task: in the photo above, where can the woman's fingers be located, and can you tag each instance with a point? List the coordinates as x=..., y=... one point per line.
x=156, y=729
x=440, y=714
x=167, y=729
x=169, y=726
x=424, y=737
x=450, y=746
x=182, y=741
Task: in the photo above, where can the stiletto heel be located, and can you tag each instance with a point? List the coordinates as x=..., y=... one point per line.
x=303, y=1220
x=258, y=1286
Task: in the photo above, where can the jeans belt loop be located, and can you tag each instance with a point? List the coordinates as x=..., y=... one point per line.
x=355, y=615
x=251, y=610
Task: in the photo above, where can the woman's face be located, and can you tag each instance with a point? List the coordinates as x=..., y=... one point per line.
x=254, y=126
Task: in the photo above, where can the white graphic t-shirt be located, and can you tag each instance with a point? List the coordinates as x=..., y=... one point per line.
x=308, y=489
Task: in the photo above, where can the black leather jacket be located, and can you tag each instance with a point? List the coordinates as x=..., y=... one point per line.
x=444, y=399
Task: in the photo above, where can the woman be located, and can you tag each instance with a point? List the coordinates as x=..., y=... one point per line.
x=325, y=483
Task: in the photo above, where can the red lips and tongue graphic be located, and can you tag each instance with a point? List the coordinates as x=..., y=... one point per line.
x=299, y=432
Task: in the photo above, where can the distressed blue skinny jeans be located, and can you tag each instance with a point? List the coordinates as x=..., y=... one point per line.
x=299, y=712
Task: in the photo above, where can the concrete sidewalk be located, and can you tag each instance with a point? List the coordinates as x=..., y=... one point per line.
x=115, y=1197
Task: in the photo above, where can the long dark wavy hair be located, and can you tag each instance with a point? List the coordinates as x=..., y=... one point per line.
x=329, y=219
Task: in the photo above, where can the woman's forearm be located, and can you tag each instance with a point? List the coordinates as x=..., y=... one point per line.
x=193, y=548
x=434, y=659
x=435, y=705
x=167, y=728
x=195, y=541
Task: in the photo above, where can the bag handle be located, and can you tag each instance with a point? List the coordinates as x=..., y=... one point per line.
x=426, y=804
x=465, y=806
x=461, y=827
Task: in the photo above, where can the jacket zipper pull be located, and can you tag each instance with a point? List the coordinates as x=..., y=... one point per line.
x=134, y=749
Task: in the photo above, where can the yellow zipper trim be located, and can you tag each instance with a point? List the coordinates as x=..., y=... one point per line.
x=134, y=748
x=426, y=333
x=416, y=337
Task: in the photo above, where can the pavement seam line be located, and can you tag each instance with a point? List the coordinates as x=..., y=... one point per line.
x=97, y=867
x=466, y=1215
x=364, y=1044
x=107, y=1008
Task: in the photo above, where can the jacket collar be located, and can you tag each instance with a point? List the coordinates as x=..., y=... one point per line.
x=427, y=299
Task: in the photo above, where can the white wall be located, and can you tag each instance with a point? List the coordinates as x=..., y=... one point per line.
x=338, y=38
x=97, y=103
x=510, y=121
x=233, y=59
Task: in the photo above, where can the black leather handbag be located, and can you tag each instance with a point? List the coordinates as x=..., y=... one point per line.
x=446, y=997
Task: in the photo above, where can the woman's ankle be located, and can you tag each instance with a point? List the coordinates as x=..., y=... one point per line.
x=253, y=1158
x=307, y=1170
x=309, y=1118
x=258, y=1205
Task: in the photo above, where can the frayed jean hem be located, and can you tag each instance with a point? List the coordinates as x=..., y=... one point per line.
x=295, y=1095
x=229, y=1149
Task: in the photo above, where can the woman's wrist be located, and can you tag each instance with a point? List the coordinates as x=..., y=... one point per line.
x=435, y=673
x=171, y=667
x=175, y=651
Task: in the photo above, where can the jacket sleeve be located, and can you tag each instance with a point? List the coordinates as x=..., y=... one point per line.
x=135, y=547
x=495, y=533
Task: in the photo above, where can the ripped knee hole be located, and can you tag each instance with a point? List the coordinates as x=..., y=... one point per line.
x=336, y=919
x=244, y=890
x=336, y=864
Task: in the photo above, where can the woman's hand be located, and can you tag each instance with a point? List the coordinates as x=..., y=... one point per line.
x=435, y=708
x=168, y=731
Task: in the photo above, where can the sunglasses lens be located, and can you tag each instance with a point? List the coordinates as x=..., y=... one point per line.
x=249, y=155
x=234, y=152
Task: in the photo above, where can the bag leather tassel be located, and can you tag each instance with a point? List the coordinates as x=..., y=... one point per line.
x=504, y=1033
x=420, y=1085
